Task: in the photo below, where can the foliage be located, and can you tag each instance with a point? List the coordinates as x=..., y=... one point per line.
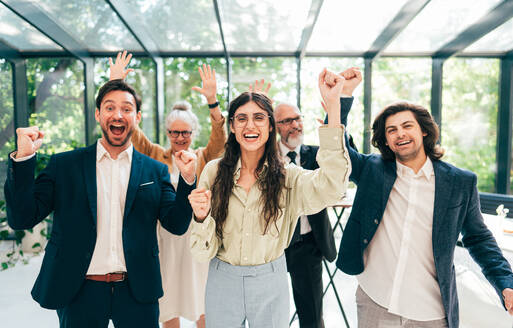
x=469, y=116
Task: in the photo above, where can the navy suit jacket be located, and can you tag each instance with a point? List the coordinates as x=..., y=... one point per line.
x=456, y=210
x=320, y=222
x=67, y=187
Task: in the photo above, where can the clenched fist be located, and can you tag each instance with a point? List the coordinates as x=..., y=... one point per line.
x=186, y=163
x=200, y=203
x=29, y=141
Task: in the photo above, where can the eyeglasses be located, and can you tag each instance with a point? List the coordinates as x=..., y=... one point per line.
x=240, y=120
x=288, y=121
x=176, y=133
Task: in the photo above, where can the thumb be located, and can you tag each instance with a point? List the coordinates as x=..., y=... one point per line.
x=198, y=89
x=110, y=61
x=208, y=193
x=320, y=121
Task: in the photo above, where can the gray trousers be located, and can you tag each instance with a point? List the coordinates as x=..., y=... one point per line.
x=258, y=294
x=372, y=315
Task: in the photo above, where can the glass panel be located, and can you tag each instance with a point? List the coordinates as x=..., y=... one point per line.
x=263, y=25
x=143, y=81
x=181, y=75
x=400, y=79
x=310, y=97
x=470, y=104
x=19, y=34
x=360, y=35
x=6, y=120
x=56, y=102
x=180, y=25
x=92, y=22
x=499, y=40
x=439, y=23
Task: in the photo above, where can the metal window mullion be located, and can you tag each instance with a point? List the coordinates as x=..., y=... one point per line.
x=504, y=127
x=367, y=105
x=436, y=91
x=89, y=101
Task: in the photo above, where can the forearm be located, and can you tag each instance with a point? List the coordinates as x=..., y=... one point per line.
x=323, y=187
x=26, y=203
x=345, y=108
x=215, y=145
x=178, y=217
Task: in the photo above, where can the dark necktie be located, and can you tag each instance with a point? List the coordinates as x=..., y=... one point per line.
x=297, y=231
x=292, y=155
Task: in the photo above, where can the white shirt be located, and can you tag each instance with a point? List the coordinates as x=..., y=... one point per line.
x=112, y=177
x=304, y=224
x=400, y=272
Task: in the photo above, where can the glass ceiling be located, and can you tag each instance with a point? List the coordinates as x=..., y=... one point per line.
x=499, y=40
x=92, y=22
x=177, y=25
x=20, y=35
x=439, y=23
x=256, y=27
x=264, y=25
x=344, y=25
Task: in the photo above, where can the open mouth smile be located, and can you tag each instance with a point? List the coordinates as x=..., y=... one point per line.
x=117, y=129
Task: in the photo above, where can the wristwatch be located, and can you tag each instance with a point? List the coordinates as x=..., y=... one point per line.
x=214, y=105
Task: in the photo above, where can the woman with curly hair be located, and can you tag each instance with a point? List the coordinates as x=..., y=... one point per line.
x=247, y=205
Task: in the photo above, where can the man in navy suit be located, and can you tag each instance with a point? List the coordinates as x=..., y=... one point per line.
x=409, y=210
x=101, y=261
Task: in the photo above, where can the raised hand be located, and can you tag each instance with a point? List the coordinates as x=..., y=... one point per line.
x=186, y=163
x=29, y=141
x=200, y=203
x=353, y=78
x=209, y=84
x=330, y=86
x=117, y=69
x=259, y=87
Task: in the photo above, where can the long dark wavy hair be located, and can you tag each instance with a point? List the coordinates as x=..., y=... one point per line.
x=270, y=178
x=425, y=120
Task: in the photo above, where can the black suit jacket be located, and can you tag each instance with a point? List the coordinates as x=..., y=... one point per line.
x=320, y=222
x=67, y=187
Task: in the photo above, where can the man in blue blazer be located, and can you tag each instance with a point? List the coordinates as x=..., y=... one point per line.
x=409, y=210
x=101, y=262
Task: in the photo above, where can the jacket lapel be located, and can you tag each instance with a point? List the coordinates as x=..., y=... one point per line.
x=306, y=157
x=390, y=174
x=133, y=183
x=89, y=166
x=443, y=191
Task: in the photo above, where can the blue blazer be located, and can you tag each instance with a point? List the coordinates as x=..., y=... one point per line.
x=67, y=187
x=456, y=210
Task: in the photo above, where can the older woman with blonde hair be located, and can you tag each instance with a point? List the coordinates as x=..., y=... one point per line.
x=183, y=279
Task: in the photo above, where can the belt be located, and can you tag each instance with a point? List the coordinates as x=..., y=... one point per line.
x=109, y=277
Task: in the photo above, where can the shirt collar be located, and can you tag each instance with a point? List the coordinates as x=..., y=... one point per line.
x=101, y=152
x=426, y=170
